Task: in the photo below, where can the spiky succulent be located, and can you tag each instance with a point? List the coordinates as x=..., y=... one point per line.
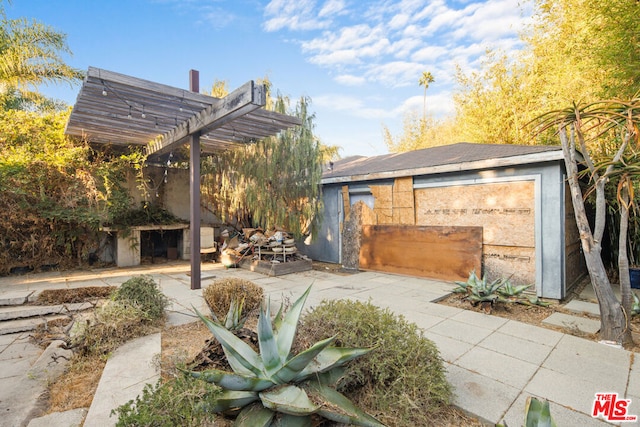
x=275, y=385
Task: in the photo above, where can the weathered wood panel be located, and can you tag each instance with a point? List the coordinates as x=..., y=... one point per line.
x=518, y=264
x=505, y=210
x=447, y=253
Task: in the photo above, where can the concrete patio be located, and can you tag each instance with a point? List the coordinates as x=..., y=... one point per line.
x=493, y=363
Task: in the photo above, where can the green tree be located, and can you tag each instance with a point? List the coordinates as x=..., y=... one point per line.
x=425, y=80
x=272, y=182
x=418, y=133
x=30, y=55
x=614, y=122
x=576, y=50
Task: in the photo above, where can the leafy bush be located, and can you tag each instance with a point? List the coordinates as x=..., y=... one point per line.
x=112, y=325
x=402, y=382
x=220, y=293
x=143, y=291
x=177, y=402
x=276, y=387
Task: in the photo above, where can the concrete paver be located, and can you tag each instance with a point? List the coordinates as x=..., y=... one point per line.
x=581, y=324
x=480, y=395
x=124, y=378
x=583, y=307
x=493, y=363
x=517, y=347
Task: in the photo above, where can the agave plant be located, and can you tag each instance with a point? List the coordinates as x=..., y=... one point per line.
x=277, y=387
x=511, y=293
x=234, y=319
x=635, y=307
x=465, y=287
x=537, y=413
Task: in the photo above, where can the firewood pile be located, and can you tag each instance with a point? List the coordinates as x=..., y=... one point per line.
x=274, y=246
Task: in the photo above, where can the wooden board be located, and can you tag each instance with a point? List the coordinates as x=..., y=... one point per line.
x=270, y=269
x=446, y=253
x=505, y=210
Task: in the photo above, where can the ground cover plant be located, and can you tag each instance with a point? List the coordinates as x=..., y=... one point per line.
x=402, y=382
x=133, y=310
x=276, y=386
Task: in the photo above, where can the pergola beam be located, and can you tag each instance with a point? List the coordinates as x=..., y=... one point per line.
x=245, y=99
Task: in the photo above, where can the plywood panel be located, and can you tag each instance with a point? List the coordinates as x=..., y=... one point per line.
x=505, y=210
x=447, y=253
x=517, y=264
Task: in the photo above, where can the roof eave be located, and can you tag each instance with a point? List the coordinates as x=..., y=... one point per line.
x=547, y=156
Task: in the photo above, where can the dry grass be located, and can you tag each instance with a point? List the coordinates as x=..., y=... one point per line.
x=76, y=387
x=69, y=296
x=220, y=293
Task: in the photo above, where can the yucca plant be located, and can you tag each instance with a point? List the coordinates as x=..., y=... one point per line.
x=275, y=386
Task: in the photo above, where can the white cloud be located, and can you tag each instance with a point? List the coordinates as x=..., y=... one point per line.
x=354, y=106
x=350, y=80
x=332, y=7
x=293, y=15
x=429, y=53
x=395, y=74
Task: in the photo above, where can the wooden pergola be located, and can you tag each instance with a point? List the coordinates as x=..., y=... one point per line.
x=117, y=109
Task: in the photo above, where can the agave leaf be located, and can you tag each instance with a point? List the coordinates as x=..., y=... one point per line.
x=233, y=381
x=287, y=330
x=537, y=413
x=241, y=357
x=234, y=315
x=337, y=407
x=330, y=377
x=271, y=359
x=329, y=358
x=230, y=400
x=277, y=321
x=286, y=420
x=254, y=415
x=292, y=368
x=288, y=399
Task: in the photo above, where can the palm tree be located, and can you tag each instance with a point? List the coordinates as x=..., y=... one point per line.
x=30, y=55
x=425, y=80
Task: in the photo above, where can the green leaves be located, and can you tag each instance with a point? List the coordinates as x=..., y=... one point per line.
x=233, y=381
x=240, y=355
x=277, y=379
x=538, y=414
x=288, y=399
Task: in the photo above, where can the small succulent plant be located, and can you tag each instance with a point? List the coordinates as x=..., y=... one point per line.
x=635, y=306
x=275, y=387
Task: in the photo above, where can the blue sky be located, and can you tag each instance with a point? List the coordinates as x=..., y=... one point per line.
x=358, y=60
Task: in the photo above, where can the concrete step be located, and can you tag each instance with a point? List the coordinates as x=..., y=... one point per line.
x=72, y=418
x=25, y=311
x=127, y=371
x=583, y=307
x=27, y=325
x=573, y=323
x=17, y=298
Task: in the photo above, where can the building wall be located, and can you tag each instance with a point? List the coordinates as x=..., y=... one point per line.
x=173, y=195
x=524, y=231
x=326, y=246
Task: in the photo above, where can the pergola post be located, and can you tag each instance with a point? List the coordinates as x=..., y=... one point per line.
x=194, y=192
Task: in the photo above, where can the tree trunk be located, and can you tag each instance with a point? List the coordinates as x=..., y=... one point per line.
x=612, y=319
x=623, y=259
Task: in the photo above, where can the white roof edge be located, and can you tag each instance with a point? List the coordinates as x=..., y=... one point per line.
x=546, y=156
